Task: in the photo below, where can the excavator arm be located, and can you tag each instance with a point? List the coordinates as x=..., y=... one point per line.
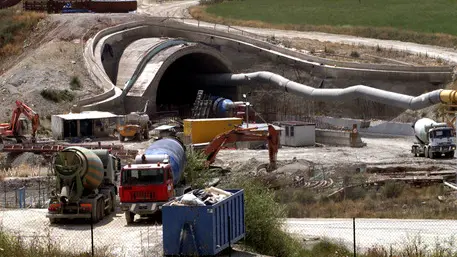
x=21, y=108
x=242, y=135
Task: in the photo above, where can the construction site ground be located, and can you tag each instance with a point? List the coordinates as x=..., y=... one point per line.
x=144, y=237
x=53, y=55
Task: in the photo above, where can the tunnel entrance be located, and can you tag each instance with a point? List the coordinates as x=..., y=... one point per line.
x=177, y=89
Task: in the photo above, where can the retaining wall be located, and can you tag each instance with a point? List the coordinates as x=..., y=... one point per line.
x=338, y=138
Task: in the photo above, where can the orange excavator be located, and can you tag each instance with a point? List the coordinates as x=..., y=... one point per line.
x=15, y=128
x=241, y=135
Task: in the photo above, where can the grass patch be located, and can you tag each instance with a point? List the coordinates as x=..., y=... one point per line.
x=75, y=83
x=393, y=200
x=15, y=26
x=36, y=247
x=430, y=23
x=57, y=95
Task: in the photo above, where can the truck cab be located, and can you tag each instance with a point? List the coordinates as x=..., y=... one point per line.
x=441, y=141
x=145, y=187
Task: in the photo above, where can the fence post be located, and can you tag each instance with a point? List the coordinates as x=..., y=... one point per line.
x=39, y=193
x=21, y=197
x=353, y=228
x=4, y=189
x=92, y=230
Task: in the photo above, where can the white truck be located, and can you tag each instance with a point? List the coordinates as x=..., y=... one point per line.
x=433, y=139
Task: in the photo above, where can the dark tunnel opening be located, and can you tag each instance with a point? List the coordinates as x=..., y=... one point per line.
x=177, y=89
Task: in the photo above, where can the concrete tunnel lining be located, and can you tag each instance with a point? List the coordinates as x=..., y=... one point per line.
x=172, y=86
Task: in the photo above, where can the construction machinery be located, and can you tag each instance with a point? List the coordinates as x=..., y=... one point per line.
x=245, y=134
x=156, y=176
x=85, y=184
x=433, y=139
x=17, y=127
x=153, y=179
x=136, y=126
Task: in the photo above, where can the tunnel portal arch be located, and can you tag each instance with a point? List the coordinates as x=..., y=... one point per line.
x=177, y=89
x=174, y=88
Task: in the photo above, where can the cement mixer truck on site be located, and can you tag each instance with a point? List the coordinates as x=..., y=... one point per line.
x=153, y=179
x=85, y=184
x=433, y=139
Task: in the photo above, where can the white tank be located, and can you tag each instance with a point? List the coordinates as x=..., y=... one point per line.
x=422, y=126
x=136, y=118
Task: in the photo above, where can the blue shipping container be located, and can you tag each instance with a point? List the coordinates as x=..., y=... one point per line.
x=206, y=229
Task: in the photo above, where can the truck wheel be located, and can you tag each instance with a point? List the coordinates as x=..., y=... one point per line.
x=426, y=152
x=121, y=138
x=451, y=155
x=53, y=221
x=431, y=155
x=113, y=203
x=415, y=151
x=101, y=203
x=108, y=210
x=129, y=217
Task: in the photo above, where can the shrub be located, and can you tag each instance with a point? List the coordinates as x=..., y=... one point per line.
x=304, y=196
x=264, y=219
x=196, y=173
x=15, y=25
x=327, y=248
x=57, y=95
x=355, y=54
x=328, y=50
x=356, y=193
x=75, y=84
x=392, y=190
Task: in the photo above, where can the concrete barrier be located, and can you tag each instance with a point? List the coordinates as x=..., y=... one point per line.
x=338, y=138
x=375, y=127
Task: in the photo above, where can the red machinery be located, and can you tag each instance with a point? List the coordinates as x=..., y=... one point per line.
x=247, y=134
x=15, y=127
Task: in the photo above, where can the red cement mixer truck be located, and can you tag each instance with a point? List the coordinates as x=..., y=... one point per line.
x=153, y=179
x=85, y=184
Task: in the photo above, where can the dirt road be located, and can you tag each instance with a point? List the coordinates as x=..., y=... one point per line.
x=380, y=152
x=395, y=233
x=145, y=239
x=179, y=9
x=110, y=235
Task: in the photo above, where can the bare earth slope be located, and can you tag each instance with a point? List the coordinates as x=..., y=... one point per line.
x=53, y=56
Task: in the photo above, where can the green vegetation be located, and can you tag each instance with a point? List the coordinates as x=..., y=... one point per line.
x=393, y=200
x=264, y=218
x=15, y=26
x=36, y=247
x=391, y=19
x=75, y=84
x=196, y=173
x=57, y=95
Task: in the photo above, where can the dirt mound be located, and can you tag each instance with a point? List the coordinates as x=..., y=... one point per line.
x=51, y=60
x=28, y=159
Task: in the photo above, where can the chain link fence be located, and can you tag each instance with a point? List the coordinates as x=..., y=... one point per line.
x=112, y=236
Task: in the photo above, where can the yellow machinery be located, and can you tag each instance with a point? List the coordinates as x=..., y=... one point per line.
x=136, y=125
x=205, y=130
